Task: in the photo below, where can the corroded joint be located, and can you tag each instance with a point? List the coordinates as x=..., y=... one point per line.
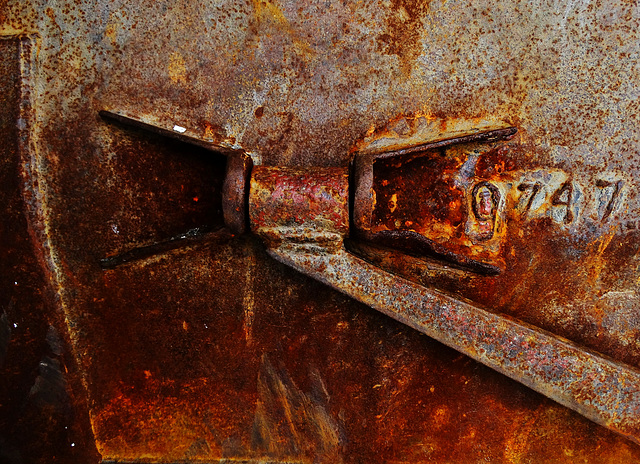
x=437, y=199
x=300, y=205
x=303, y=216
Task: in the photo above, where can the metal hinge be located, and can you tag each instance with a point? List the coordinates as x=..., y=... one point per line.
x=432, y=200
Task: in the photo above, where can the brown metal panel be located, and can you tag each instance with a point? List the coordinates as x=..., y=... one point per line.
x=199, y=346
x=43, y=409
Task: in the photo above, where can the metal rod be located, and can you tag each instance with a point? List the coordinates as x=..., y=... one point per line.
x=603, y=390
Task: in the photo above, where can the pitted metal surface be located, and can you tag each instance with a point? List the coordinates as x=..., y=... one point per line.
x=193, y=351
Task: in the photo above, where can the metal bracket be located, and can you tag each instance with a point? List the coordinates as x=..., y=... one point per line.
x=304, y=217
x=301, y=215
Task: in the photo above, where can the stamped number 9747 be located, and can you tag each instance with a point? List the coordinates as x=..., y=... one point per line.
x=545, y=193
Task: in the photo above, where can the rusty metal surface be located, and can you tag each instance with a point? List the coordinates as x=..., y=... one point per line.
x=299, y=205
x=416, y=197
x=598, y=388
x=567, y=235
x=296, y=212
x=198, y=351
x=43, y=413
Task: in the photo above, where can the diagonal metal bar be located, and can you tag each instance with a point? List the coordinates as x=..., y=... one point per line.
x=601, y=389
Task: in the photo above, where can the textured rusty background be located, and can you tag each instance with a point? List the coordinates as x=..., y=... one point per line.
x=208, y=349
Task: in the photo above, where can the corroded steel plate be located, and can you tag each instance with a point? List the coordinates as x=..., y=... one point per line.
x=166, y=338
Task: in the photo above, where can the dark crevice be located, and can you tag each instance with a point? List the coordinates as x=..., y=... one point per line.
x=189, y=237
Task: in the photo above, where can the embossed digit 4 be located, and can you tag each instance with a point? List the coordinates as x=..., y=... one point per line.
x=563, y=197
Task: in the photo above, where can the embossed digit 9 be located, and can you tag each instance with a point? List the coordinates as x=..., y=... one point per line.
x=485, y=198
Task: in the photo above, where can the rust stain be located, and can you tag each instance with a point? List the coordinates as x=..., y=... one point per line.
x=177, y=69
x=111, y=31
x=248, y=300
x=161, y=427
x=268, y=13
x=405, y=28
x=290, y=424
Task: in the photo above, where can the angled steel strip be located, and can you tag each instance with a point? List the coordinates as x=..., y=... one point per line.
x=603, y=390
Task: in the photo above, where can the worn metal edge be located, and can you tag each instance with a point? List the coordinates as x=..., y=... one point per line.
x=142, y=253
x=362, y=196
x=34, y=186
x=235, y=192
x=182, y=134
x=491, y=135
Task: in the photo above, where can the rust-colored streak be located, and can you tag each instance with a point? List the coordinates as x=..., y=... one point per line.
x=405, y=29
x=289, y=422
x=43, y=410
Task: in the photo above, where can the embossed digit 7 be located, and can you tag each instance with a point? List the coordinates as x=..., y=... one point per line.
x=534, y=188
x=617, y=186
